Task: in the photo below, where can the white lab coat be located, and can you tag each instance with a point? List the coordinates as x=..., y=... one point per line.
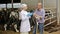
x=25, y=24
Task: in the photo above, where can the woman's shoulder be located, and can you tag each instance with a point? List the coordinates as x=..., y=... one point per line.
x=23, y=12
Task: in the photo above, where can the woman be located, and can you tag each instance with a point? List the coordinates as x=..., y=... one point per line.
x=25, y=24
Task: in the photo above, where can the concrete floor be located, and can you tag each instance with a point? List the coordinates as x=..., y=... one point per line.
x=12, y=32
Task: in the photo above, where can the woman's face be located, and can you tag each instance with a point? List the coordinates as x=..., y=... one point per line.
x=25, y=8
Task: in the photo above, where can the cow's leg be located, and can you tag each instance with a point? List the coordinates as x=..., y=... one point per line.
x=5, y=27
x=15, y=27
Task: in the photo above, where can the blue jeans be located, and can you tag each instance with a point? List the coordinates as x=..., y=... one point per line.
x=40, y=27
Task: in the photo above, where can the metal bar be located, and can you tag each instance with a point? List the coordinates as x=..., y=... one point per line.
x=50, y=18
x=49, y=23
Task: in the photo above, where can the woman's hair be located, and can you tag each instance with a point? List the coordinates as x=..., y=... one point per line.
x=23, y=5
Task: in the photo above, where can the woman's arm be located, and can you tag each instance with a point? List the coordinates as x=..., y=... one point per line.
x=24, y=16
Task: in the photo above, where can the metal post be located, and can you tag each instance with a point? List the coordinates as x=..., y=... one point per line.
x=42, y=1
x=36, y=26
x=12, y=4
x=57, y=6
x=6, y=5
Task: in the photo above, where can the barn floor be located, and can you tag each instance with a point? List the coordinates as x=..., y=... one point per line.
x=12, y=32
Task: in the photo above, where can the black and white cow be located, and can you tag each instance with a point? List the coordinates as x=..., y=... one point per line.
x=13, y=21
